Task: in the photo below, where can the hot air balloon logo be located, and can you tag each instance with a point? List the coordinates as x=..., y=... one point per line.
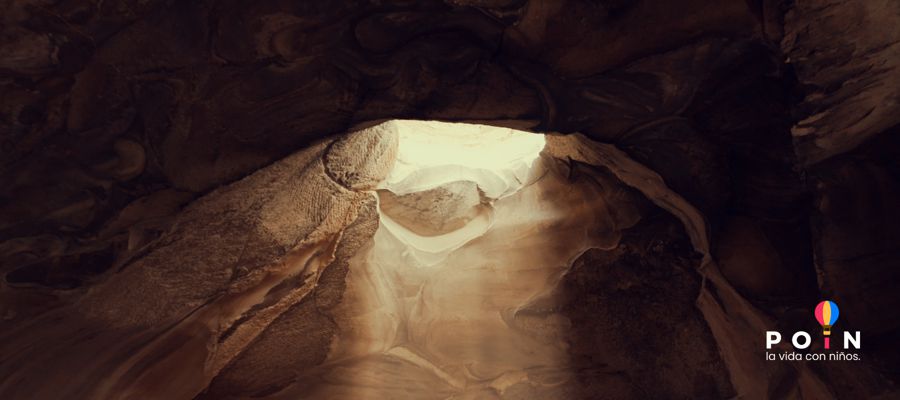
x=827, y=314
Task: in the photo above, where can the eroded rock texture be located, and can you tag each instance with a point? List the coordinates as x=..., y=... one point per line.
x=243, y=260
x=168, y=168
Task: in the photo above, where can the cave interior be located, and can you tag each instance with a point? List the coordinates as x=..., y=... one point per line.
x=457, y=199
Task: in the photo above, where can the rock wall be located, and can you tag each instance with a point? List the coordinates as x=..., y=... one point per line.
x=237, y=267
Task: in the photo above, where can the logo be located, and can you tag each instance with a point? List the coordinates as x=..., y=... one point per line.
x=826, y=313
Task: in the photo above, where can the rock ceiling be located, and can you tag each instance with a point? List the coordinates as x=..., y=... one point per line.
x=177, y=196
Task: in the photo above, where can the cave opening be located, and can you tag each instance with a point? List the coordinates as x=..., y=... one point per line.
x=460, y=290
x=443, y=188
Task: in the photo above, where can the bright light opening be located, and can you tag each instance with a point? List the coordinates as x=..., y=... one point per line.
x=438, y=195
x=434, y=153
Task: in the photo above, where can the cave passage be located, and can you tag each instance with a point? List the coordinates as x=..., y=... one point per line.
x=455, y=296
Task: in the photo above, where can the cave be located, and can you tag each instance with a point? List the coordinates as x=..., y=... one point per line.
x=449, y=199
